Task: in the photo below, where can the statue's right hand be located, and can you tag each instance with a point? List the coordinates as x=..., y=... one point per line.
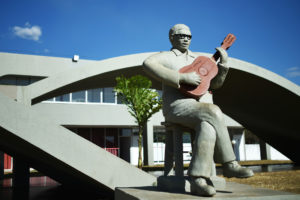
x=191, y=78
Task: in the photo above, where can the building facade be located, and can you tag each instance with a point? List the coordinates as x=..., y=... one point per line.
x=94, y=111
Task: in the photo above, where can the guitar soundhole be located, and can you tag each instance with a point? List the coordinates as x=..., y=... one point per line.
x=203, y=71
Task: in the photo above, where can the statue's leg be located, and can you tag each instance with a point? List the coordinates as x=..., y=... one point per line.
x=203, y=150
x=202, y=160
x=223, y=149
x=208, y=122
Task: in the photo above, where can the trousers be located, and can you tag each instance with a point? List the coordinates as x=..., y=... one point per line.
x=212, y=141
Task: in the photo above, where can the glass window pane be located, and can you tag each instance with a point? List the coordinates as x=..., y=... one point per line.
x=78, y=96
x=35, y=79
x=111, y=138
x=8, y=80
x=65, y=97
x=160, y=93
x=119, y=99
x=23, y=81
x=108, y=95
x=126, y=132
x=98, y=137
x=52, y=99
x=94, y=95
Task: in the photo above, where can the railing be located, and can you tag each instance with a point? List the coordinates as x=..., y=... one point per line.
x=114, y=151
x=7, y=162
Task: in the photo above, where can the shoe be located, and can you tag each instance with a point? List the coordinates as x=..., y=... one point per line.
x=233, y=169
x=200, y=187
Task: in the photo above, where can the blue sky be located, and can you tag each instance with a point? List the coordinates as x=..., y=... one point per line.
x=267, y=31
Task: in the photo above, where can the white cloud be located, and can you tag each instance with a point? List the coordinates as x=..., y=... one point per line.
x=28, y=32
x=293, y=72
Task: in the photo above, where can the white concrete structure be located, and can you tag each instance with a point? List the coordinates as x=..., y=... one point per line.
x=78, y=95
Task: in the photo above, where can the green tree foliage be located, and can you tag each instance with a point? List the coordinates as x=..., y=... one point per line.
x=141, y=100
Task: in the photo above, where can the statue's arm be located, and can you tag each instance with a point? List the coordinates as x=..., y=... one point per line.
x=219, y=79
x=154, y=67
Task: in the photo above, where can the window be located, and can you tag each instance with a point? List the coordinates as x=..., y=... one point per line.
x=250, y=138
x=78, y=96
x=94, y=95
x=111, y=138
x=98, y=136
x=159, y=134
x=108, y=95
x=119, y=99
x=65, y=98
x=125, y=132
x=160, y=93
x=19, y=80
x=23, y=81
x=8, y=80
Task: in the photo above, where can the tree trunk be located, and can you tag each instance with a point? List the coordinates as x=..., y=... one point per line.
x=140, y=161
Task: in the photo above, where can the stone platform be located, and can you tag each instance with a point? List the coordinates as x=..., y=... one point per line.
x=182, y=184
x=232, y=191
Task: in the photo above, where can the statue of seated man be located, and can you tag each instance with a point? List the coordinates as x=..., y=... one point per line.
x=212, y=141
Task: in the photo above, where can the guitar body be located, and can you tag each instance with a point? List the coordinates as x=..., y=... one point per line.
x=206, y=68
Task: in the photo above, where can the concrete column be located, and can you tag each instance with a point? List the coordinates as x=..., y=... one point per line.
x=21, y=173
x=239, y=146
x=265, y=151
x=1, y=165
x=21, y=177
x=148, y=144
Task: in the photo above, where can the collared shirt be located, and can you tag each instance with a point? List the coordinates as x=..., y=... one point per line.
x=173, y=60
x=187, y=53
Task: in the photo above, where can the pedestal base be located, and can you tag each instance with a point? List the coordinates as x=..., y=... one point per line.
x=182, y=184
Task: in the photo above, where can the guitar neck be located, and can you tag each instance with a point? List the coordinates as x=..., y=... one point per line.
x=216, y=56
x=227, y=42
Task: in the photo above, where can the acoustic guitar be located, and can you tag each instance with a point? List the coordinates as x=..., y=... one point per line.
x=206, y=68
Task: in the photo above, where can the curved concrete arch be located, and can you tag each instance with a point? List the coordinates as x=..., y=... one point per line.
x=264, y=103
x=260, y=100
x=103, y=73
x=98, y=74
x=36, y=65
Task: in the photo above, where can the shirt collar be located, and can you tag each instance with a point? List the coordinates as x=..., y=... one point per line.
x=178, y=53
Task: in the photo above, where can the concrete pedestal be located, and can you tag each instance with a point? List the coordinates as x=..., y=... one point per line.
x=182, y=184
x=233, y=191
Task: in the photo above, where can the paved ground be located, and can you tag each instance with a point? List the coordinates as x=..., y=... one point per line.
x=232, y=191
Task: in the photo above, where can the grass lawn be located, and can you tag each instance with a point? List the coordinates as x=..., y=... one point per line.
x=288, y=181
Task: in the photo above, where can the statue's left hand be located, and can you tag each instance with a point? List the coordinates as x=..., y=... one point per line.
x=223, y=56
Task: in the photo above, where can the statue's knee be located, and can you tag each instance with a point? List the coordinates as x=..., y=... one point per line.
x=216, y=112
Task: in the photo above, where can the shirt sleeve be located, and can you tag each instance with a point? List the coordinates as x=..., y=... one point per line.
x=154, y=66
x=218, y=80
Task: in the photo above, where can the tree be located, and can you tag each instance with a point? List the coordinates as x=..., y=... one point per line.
x=142, y=102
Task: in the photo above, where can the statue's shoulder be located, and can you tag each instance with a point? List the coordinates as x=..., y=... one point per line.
x=166, y=53
x=162, y=55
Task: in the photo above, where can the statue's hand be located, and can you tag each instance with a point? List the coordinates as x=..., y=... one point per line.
x=191, y=78
x=223, y=56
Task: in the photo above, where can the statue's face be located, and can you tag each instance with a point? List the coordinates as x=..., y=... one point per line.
x=182, y=40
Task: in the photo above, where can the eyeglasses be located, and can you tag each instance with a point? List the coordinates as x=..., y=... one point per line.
x=182, y=36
